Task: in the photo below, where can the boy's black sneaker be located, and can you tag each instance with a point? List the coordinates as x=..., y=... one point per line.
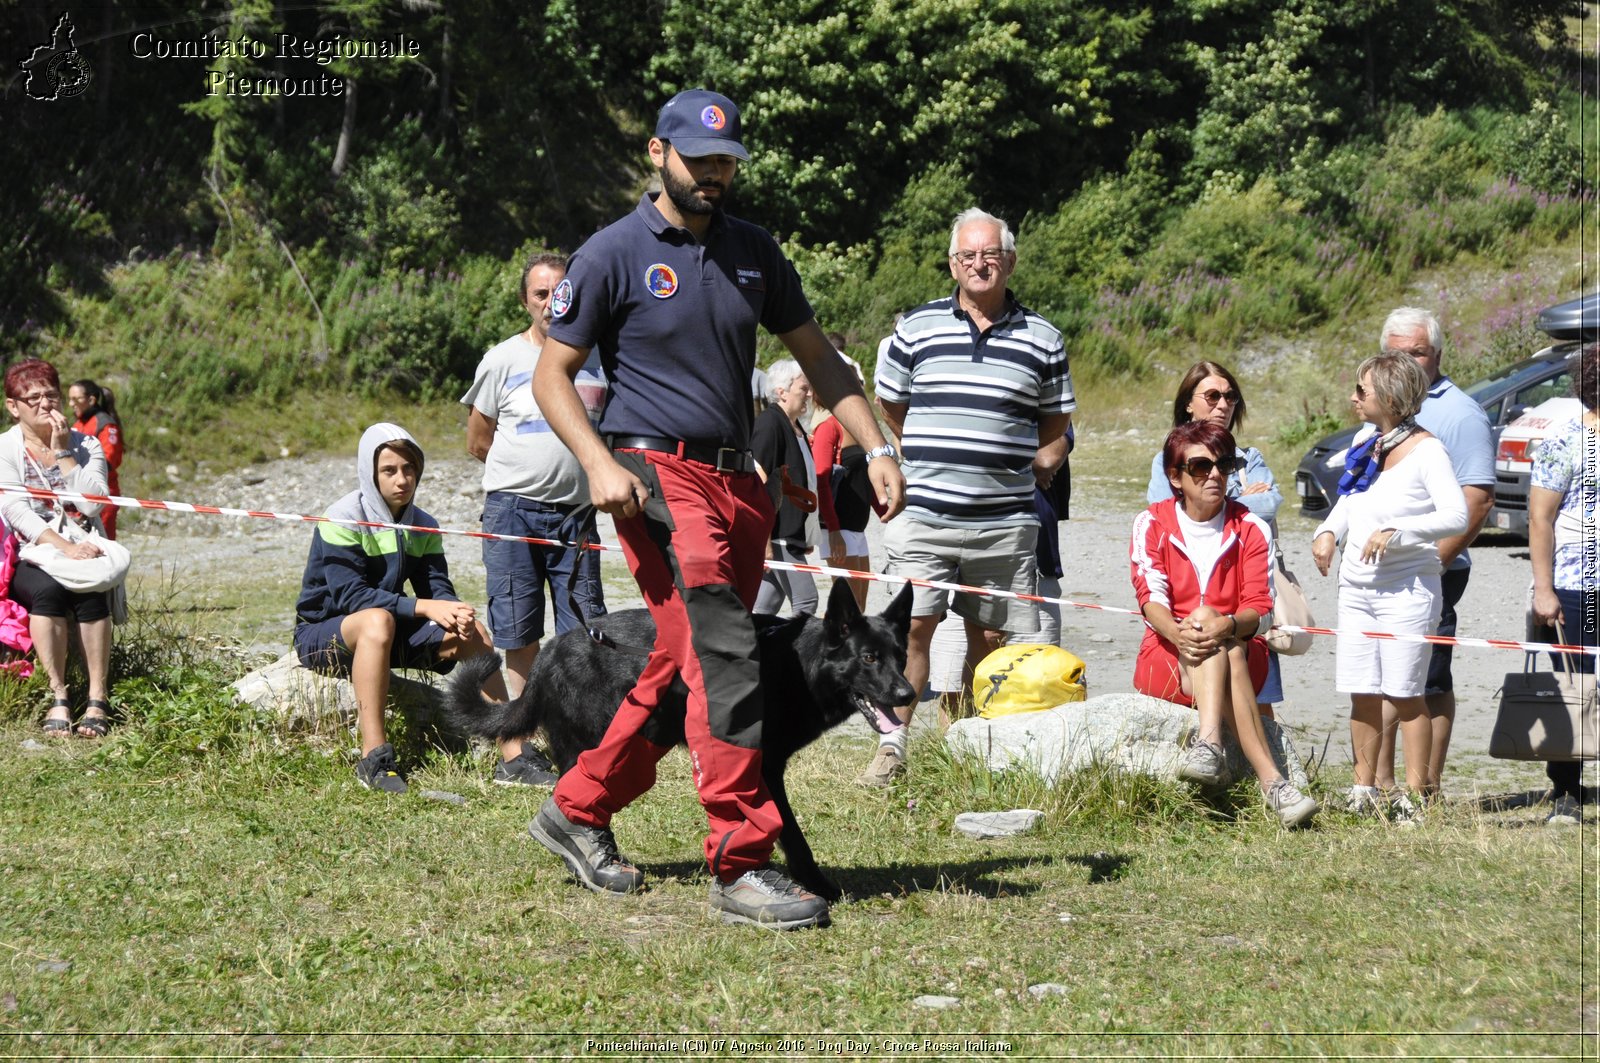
x=528, y=768
x=764, y=897
x=379, y=770
x=590, y=853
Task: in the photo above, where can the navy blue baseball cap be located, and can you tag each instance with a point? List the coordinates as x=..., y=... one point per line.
x=700, y=122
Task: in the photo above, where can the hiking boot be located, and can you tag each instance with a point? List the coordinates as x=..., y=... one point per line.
x=1564, y=811
x=764, y=897
x=1292, y=807
x=528, y=768
x=379, y=770
x=887, y=765
x=590, y=853
x=1205, y=764
x=1365, y=801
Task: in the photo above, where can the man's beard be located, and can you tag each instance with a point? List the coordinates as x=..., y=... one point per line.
x=682, y=194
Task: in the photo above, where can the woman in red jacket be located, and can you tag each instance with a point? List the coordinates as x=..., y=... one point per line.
x=1202, y=570
x=96, y=411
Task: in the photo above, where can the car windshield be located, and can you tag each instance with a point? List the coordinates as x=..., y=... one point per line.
x=1528, y=369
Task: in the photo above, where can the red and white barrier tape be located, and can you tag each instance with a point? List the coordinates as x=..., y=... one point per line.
x=1437, y=640
x=821, y=570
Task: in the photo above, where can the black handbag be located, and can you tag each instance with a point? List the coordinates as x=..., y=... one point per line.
x=1546, y=716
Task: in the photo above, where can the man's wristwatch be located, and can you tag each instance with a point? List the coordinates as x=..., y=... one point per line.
x=885, y=451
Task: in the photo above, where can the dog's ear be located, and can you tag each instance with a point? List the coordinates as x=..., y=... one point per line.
x=843, y=612
x=899, y=612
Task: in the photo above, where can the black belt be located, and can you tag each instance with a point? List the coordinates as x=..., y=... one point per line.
x=723, y=459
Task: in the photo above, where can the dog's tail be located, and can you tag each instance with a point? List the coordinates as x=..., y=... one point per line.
x=470, y=712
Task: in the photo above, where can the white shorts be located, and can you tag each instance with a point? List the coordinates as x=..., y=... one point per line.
x=1381, y=666
x=855, y=543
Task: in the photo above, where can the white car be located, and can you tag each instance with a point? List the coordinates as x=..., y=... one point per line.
x=1513, y=458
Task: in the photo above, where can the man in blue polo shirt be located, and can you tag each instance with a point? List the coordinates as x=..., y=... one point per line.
x=672, y=295
x=1463, y=428
x=977, y=387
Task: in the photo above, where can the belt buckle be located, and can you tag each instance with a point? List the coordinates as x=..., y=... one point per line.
x=730, y=463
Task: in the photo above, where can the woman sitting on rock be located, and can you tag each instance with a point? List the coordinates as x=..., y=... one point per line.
x=1202, y=571
x=43, y=450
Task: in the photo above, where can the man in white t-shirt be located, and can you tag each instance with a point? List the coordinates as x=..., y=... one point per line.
x=534, y=487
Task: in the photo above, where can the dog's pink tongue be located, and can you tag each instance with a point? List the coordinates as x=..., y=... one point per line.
x=889, y=721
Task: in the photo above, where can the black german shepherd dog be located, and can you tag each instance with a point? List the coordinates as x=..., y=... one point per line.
x=815, y=672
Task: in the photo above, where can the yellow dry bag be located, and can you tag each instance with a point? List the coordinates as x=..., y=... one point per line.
x=1026, y=678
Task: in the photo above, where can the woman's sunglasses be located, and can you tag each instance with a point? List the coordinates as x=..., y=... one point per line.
x=1200, y=468
x=1213, y=396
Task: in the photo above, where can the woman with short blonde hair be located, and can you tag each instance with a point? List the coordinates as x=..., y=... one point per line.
x=1398, y=497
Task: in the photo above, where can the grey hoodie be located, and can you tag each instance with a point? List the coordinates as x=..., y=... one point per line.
x=353, y=568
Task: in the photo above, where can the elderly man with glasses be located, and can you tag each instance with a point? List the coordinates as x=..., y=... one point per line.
x=978, y=390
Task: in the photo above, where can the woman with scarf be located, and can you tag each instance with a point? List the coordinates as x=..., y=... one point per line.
x=1397, y=499
x=354, y=617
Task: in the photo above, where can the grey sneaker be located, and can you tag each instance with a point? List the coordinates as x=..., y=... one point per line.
x=764, y=897
x=1205, y=764
x=379, y=770
x=1564, y=811
x=525, y=769
x=1292, y=807
x=590, y=853
x=887, y=766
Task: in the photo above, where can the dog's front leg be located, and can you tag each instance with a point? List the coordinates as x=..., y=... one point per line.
x=802, y=865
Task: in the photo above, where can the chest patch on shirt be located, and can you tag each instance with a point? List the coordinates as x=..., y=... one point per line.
x=561, y=299
x=750, y=278
x=661, y=280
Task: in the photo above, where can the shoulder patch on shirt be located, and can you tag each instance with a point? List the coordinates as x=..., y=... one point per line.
x=561, y=298
x=661, y=280
x=750, y=277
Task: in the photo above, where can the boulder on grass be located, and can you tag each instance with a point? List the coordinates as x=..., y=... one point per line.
x=308, y=701
x=1129, y=732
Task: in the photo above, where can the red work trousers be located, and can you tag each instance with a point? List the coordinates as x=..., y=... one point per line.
x=697, y=552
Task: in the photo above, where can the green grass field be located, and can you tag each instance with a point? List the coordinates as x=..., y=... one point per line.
x=206, y=883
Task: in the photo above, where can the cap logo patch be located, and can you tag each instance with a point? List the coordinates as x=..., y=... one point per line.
x=713, y=118
x=561, y=299
x=660, y=279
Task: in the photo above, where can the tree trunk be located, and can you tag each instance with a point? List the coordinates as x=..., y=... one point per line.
x=446, y=62
x=347, y=132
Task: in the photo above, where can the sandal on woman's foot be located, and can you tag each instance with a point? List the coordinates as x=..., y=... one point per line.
x=95, y=726
x=57, y=727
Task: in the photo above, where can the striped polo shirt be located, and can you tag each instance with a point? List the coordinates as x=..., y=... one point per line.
x=974, y=403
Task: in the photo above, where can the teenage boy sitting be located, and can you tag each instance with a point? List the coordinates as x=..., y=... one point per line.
x=353, y=616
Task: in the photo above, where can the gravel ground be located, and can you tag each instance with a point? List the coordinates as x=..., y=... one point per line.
x=202, y=558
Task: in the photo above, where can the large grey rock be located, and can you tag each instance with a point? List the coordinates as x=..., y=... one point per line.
x=1129, y=732
x=998, y=824
x=938, y=1003
x=306, y=701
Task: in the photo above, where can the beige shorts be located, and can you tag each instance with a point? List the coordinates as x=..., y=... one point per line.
x=1001, y=558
